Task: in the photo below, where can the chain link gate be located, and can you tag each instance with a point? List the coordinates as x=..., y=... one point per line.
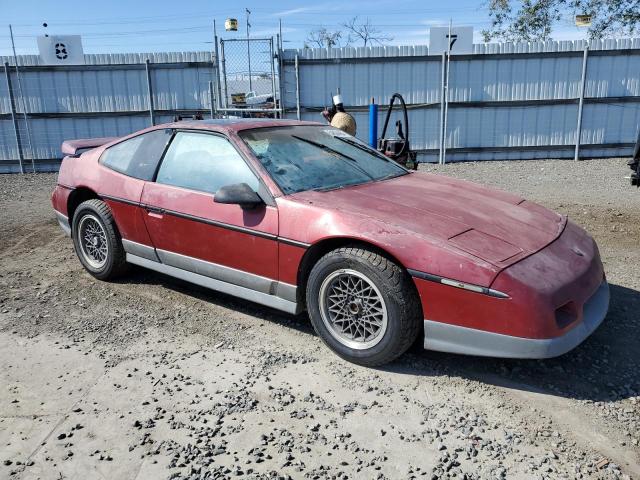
x=248, y=78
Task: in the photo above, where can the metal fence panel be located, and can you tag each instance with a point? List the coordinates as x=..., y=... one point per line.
x=610, y=123
x=109, y=96
x=119, y=89
x=8, y=148
x=514, y=79
x=505, y=101
x=182, y=88
x=613, y=76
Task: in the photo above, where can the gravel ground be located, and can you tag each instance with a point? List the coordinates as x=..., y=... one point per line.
x=150, y=377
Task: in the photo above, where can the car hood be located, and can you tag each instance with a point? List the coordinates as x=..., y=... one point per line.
x=495, y=226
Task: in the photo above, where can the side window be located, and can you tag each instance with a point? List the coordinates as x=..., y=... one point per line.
x=139, y=156
x=203, y=162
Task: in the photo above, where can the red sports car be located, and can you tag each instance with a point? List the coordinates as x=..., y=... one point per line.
x=298, y=215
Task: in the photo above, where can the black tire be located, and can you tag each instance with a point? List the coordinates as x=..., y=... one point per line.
x=114, y=263
x=401, y=302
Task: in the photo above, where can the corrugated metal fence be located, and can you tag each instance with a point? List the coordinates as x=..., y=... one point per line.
x=109, y=96
x=505, y=101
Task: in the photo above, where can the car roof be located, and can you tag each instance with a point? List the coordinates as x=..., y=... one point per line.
x=235, y=124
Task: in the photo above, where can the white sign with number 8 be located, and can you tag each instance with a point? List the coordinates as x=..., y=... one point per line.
x=61, y=50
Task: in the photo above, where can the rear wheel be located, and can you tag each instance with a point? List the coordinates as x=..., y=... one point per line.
x=97, y=241
x=363, y=306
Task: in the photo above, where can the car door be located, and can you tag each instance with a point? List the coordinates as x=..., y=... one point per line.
x=192, y=232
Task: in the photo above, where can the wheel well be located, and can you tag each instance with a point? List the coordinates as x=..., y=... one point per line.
x=76, y=197
x=318, y=250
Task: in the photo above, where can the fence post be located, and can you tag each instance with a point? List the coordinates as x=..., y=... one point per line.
x=24, y=104
x=152, y=117
x=217, y=68
x=224, y=75
x=280, y=74
x=212, y=99
x=297, y=88
x=446, y=103
x=273, y=76
x=12, y=102
x=442, y=100
x=583, y=80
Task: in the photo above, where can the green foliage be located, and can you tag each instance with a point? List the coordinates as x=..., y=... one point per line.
x=529, y=20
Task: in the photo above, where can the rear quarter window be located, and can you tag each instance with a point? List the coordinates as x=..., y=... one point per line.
x=137, y=157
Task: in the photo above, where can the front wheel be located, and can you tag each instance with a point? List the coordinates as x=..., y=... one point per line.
x=97, y=241
x=363, y=306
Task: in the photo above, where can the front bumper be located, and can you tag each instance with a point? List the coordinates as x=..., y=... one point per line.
x=451, y=338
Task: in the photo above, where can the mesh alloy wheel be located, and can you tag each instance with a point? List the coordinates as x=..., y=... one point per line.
x=353, y=309
x=362, y=305
x=93, y=241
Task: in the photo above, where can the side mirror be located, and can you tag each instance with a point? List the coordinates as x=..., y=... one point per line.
x=238, y=194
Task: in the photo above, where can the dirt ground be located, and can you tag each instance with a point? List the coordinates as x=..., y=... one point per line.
x=153, y=378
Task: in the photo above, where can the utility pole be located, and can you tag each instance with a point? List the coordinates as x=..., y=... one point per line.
x=249, y=48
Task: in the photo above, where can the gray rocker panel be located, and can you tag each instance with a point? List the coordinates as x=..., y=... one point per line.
x=63, y=221
x=256, y=288
x=140, y=250
x=236, y=290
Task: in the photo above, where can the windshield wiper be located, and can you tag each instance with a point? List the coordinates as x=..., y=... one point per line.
x=365, y=148
x=336, y=187
x=327, y=148
x=356, y=144
x=391, y=175
x=327, y=189
x=323, y=147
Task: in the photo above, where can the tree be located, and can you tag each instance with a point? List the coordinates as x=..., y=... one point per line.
x=365, y=32
x=322, y=37
x=527, y=20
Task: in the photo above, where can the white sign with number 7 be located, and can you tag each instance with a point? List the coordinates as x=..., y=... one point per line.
x=459, y=42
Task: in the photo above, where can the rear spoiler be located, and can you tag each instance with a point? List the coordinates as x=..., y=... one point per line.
x=75, y=147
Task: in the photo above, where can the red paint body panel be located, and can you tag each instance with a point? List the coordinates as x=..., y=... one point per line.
x=537, y=286
x=60, y=198
x=313, y=223
x=568, y=270
x=290, y=257
x=429, y=223
x=243, y=251
x=130, y=222
x=86, y=172
x=438, y=209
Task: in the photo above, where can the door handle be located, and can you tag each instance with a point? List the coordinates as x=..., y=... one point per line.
x=154, y=211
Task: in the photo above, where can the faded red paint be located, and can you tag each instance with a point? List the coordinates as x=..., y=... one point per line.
x=243, y=251
x=429, y=223
x=59, y=199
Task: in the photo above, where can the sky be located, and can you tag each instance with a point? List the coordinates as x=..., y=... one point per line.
x=113, y=26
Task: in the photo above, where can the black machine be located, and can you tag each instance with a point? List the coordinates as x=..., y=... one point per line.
x=398, y=148
x=634, y=164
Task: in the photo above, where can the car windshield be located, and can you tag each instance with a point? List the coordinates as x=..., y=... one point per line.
x=320, y=157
